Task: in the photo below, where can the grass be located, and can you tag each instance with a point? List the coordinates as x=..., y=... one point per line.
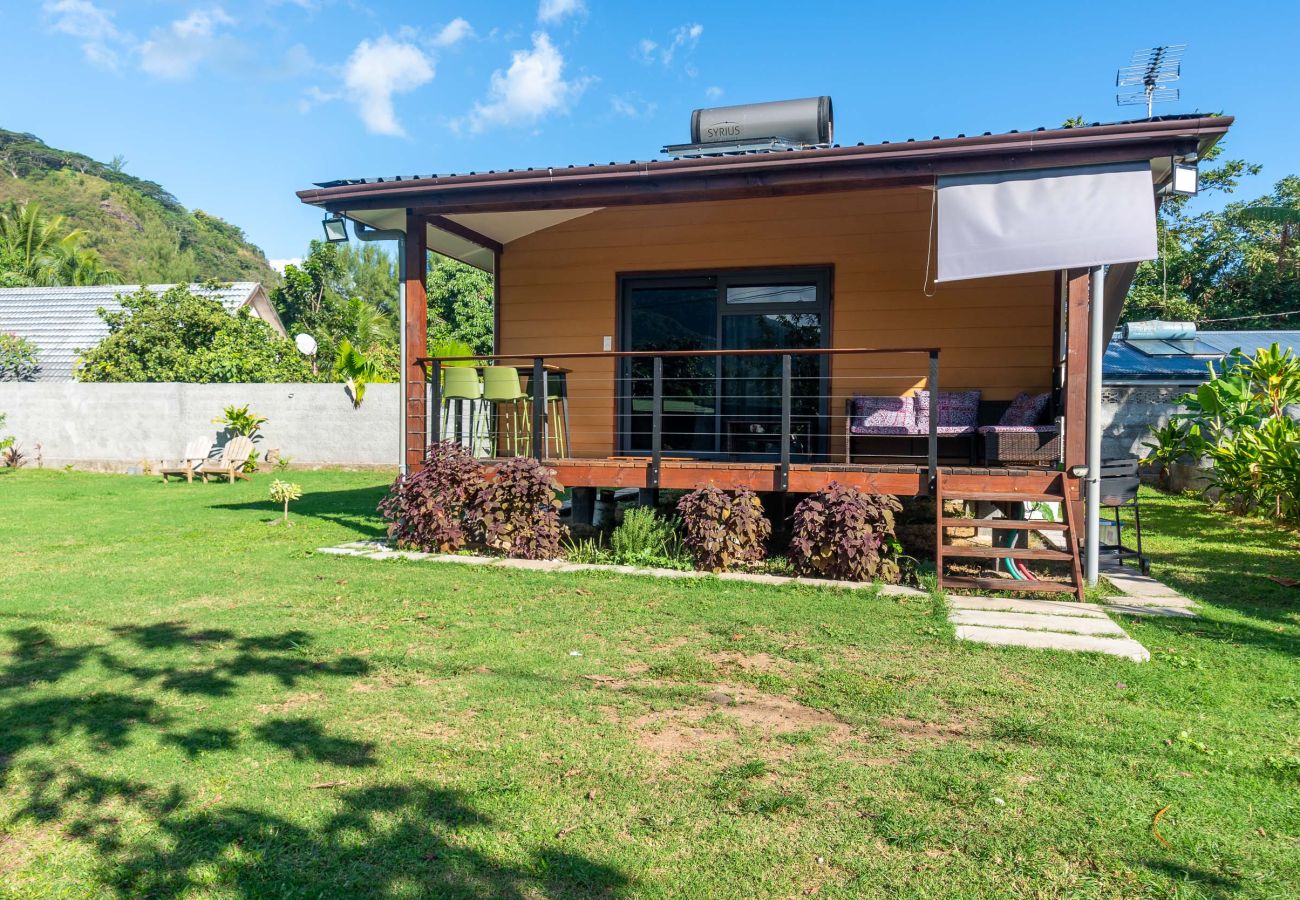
x=195, y=703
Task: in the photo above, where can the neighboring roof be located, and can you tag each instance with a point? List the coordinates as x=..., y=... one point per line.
x=495, y=200
x=62, y=321
x=1127, y=362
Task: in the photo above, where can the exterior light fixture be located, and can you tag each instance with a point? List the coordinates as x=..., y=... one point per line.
x=336, y=229
x=1186, y=179
x=1079, y=471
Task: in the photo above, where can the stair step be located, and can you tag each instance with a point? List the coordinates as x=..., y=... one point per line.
x=1002, y=498
x=1004, y=552
x=1005, y=584
x=1006, y=524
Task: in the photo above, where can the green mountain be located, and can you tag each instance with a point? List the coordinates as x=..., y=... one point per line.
x=138, y=228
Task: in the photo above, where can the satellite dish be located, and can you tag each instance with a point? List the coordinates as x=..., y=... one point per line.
x=306, y=344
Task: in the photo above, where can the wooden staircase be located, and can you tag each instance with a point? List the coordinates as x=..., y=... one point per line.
x=945, y=551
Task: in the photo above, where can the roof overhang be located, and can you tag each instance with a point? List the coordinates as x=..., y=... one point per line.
x=472, y=217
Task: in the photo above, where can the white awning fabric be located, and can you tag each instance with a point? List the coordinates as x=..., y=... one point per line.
x=1040, y=220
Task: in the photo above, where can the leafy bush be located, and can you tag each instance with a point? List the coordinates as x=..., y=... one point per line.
x=17, y=358
x=843, y=533
x=1238, y=420
x=645, y=539
x=239, y=421
x=517, y=512
x=426, y=509
x=13, y=457
x=721, y=530
x=6, y=441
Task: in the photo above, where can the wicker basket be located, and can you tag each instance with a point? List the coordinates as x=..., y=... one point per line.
x=1035, y=448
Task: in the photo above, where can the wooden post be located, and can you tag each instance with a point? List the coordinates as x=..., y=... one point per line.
x=415, y=400
x=1076, y=379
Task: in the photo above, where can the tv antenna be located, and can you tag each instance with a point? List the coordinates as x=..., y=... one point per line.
x=1151, y=71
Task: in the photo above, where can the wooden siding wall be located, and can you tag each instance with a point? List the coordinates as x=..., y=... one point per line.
x=558, y=293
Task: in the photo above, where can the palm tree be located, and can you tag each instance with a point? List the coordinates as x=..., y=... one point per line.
x=1286, y=216
x=368, y=327
x=40, y=250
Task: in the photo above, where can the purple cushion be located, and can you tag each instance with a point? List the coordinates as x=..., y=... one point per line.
x=1026, y=409
x=957, y=409
x=1018, y=429
x=883, y=415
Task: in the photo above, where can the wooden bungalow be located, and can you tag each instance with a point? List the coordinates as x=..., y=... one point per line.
x=712, y=317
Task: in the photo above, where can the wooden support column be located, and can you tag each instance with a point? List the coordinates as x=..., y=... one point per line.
x=415, y=396
x=1076, y=378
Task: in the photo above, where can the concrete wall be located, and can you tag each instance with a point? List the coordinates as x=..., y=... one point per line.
x=113, y=427
x=1128, y=413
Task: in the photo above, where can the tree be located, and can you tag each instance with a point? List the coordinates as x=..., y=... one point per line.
x=1233, y=264
x=460, y=304
x=36, y=249
x=181, y=336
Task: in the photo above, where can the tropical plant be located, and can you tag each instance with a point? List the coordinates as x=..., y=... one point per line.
x=517, y=512
x=283, y=492
x=722, y=530
x=356, y=370
x=426, y=509
x=644, y=539
x=17, y=358
x=460, y=304
x=14, y=457
x=843, y=533
x=36, y=249
x=239, y=421
x=6, y=441
x=182, y=336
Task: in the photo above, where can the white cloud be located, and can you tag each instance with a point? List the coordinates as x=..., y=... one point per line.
x=177, y=50
x=554, y=10
x=453, y=32
x=632, y=106
x=682, y=38
x=89, y=24
x=685, y=37
x=279, y=264
x=375, y=72
x=531, y=89
x=713, y=92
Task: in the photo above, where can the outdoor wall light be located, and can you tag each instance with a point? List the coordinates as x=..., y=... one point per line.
x=1079, y=471
x=336, y=229
x=1186, y=179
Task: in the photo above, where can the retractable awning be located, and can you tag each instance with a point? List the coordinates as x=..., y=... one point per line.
x=1042, y=220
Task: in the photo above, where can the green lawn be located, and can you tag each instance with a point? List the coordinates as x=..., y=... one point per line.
x=195, y=703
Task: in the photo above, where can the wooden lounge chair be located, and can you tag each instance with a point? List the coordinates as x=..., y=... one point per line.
x=230, y=464
x=196, y=452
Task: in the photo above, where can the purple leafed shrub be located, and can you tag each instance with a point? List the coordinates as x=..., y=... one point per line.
x=842, y=533
x=426, y=509
x=517, y=512
x=722, y=530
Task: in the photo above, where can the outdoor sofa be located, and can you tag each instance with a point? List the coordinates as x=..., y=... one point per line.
x=1016, y=433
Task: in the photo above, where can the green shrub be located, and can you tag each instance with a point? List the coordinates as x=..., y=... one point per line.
x=283, y=492
x=517, y=512
x=722, y=530
x=17, y=358
x=843, y=533
x=426, y=509
x=644, y=539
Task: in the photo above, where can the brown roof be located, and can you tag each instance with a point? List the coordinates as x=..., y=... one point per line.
x=792, y=171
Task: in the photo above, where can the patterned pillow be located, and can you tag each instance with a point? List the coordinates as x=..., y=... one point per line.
x=957, y=409
x=883, y=415
x=1026, y=409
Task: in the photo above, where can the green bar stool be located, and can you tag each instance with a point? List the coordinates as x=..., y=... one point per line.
x=460, y=384
x=502, y=389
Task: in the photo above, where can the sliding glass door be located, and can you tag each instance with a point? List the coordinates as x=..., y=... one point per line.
x=725, y=406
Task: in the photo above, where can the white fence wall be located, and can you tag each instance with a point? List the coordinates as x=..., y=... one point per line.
x=113, y=427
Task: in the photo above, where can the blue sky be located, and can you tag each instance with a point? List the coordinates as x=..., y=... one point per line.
x=235, y=104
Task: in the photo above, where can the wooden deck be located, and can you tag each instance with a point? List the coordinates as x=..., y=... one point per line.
x=900, y=480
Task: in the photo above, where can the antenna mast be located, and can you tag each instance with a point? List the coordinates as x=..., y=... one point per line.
x=1151, y=71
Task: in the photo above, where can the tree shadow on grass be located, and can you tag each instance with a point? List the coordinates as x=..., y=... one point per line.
x=156, y=840
x=1210, y=883
x=355, y=509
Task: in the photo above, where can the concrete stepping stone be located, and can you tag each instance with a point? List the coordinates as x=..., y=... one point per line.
x=1125, y=608
x=1126, y=648
x=1037, y=622
x=1015, y=604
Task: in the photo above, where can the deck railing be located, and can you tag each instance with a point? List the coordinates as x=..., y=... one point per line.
x=701, y=401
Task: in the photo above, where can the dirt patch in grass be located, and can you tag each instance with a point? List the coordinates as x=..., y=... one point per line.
x=928, y=732
x=292, y=702
x=761, y=663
